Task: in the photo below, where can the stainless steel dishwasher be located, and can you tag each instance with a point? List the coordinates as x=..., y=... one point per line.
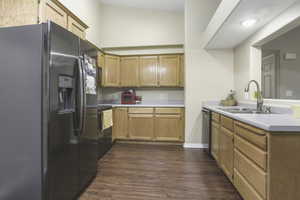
x=206, y=129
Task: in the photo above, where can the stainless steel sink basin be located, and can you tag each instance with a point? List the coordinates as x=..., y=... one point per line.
x=245, y=111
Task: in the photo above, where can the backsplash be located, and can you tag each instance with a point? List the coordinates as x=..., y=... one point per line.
x=148, y=94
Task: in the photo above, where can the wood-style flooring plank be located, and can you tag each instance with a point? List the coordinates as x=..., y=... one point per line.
x=158, y=172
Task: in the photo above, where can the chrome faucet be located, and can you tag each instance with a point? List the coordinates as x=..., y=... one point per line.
x=260, y=100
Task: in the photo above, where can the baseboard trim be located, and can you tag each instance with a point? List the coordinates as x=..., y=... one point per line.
x=195, y=146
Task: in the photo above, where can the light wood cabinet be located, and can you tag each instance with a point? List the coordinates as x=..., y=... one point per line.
x=252, y=173
x=100, y=59
x=76, y=27
x=182, y=71
x=144, y=71
x=168, y=125
x=51, y=11
x=226, y=152
x=149, y=124
x=260, y=164
x=129, y=71
x=120, y=127
x=215, y=129
x=25, y=12
x=148, y=71
x=18, y=12
x=111, y=71
x=169, y=70
x=141, y=126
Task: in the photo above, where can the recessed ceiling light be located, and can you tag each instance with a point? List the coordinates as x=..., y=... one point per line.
x=248, y=23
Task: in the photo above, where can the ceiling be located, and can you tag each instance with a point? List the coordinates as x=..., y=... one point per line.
x=231, y=33
x=167, y=5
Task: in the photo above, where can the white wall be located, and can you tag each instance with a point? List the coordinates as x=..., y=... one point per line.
x=247, y=58
x=89, y=11
x=209, y=74
x=127, y=27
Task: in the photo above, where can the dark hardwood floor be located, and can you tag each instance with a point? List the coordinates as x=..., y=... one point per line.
x=152, y=172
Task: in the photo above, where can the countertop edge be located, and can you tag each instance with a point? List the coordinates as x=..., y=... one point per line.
x=269, y=128
x=141, y=105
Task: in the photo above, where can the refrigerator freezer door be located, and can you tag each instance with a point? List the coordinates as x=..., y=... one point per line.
x=63, y=143
x=21, y=112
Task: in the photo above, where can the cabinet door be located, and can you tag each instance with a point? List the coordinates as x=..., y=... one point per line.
x=141, y=126
x=148, y=71
x=169, y=70
x=168, y=127
x=100, y=59
x=111, y=71
x=130, y=71
x=120, y=127
x=18, y=12
x=215, y=128
x=51, y=11
x=76, y=27
x=226, y=152
x=181, y=71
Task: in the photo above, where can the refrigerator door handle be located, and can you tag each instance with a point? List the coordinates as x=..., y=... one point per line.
x=83, y=94
x=80, y=104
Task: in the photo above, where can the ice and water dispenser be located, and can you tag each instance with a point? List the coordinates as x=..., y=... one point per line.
x=65, y=93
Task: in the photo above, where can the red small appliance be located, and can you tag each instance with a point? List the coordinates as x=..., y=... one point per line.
x=128, y=97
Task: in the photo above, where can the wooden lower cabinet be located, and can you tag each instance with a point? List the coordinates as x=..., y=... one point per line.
x=215, y=129
x=141, y=126
x=168, y=127
x=149, y=124
x=262, y=165
x=244, y=188
x=120, y=128
x=226, y=152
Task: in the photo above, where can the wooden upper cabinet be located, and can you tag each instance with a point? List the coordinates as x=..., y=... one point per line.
x=26, y=12
x=100, y=59
x=18, y=12
x=169, y=70
x=129, y=71
x=111, y=71
x=182, y=71
x=75, y=27
x=148, y=71
x=51, y=11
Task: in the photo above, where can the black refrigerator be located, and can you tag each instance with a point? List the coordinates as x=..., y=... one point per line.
x=44, y=107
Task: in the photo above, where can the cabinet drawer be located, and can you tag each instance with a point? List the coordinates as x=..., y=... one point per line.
x=141, y=110
x=252, y=173
x=168, y=110
x=215, y=117
x=252, y=152
x=244, y=188
x=253, y=135
x=227, y=123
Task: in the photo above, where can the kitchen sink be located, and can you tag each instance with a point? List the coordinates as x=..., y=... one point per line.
x=245, y=111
